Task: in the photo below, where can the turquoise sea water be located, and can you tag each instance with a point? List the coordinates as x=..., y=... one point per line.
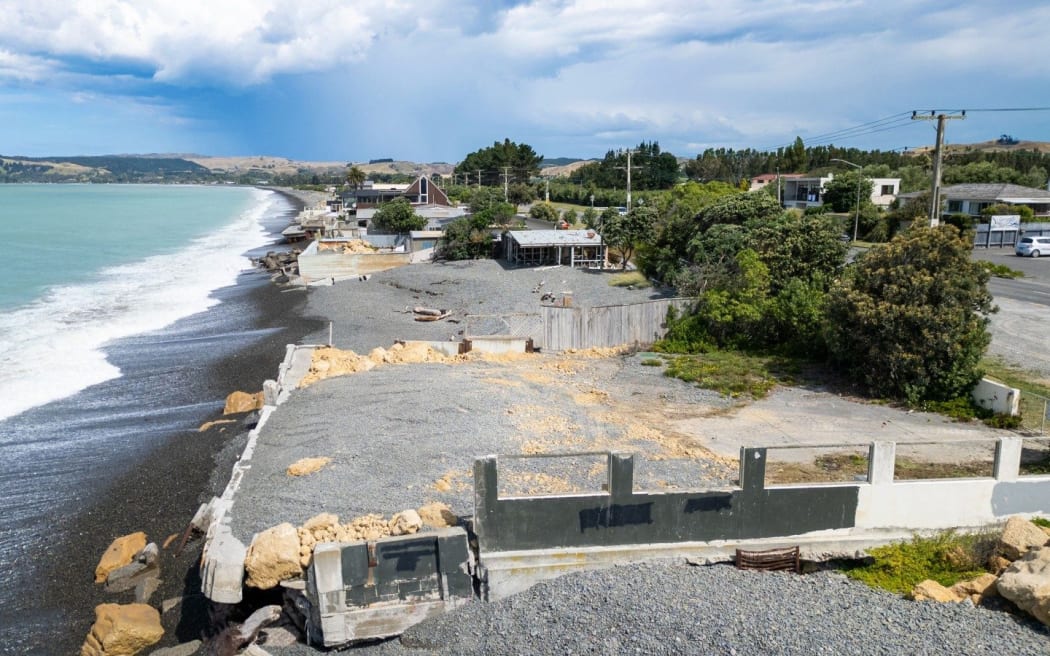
x=85, y=264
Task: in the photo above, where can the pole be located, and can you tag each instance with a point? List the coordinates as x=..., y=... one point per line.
x=506, y=182
x=935, y=200
x=856, y=215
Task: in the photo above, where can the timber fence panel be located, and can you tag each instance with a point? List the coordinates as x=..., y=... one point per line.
x=608, y=326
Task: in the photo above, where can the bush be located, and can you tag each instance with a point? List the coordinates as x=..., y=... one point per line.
x=946, y=558
x=543, y=212
x=909, y=319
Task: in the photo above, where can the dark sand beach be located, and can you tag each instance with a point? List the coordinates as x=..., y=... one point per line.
x=155, y=487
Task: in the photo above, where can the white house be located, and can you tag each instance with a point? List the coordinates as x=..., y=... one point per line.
x=803, y=192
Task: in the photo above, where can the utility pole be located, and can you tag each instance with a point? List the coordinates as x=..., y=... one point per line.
x=547, y=189
x=506, y=181
x=935, y=200
x=629, y=167
x=479, y=178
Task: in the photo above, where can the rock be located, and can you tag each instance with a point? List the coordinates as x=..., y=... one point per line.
x=977, y=589
x=323, y=521
x=145, y=589
x=143, y=566
x=996, y=564
x=930, y=590
x=236, y=636
x=1020, y=535
x=272, y=557
x=1027, y=583
x=405, y=522
x=185, y=649
x=122, y=630
x=437, y=515
x=307, y=466
x=119, y=553
x=238, y=402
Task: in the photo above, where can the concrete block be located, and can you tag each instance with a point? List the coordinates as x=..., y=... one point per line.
x=1000, y=399
x=222, y=567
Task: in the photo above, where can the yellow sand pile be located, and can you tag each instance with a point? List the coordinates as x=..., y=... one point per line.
x=329, y=362
x=327, y=528
x=352, y=246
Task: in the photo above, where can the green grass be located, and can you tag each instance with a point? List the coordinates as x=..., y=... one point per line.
x=731, y=373
x=1040, y=521
x=946, y=557
x=635, y=279
x=1000, y=270
x=652, y=362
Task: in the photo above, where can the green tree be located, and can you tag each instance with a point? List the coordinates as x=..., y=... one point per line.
x=355, y=177
x=519, y=193
x=625, y=232
x=569, y=216
x=519, y=161
x=841, y=191
x=397, y=216
x=467, y=238
x=590, y=217
x=1000, y=209
x=909, y=319
x=543, y=212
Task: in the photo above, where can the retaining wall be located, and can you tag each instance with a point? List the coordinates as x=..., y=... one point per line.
x=1000, y=399
x=330, y=264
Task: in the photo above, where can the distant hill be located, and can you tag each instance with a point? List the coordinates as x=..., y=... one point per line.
x=99, y=168
x=549, y=162
x=560, y=170
x=992, y=146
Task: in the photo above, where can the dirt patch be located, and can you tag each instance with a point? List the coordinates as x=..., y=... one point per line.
x=454, y=481
x=307, y=466
x=351, y=247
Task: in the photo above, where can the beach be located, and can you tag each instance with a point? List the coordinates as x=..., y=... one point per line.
x=155, y=485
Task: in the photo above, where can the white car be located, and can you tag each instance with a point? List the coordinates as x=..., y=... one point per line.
x=1032, y=246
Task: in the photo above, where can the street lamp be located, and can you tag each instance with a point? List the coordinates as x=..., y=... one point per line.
x=856, y=216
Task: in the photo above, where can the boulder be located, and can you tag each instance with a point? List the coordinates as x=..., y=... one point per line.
x=1027, y=583
x=273, y=557
x=977, y=589
x=437, y=515
x=930, y=590
x=238, y=402
x=1020, y=535
x=119, y=553
x=143, y=566
x=122, y=630
x=405, y=522
x=997, y=564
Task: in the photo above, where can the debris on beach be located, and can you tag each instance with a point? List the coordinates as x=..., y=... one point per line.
x=122, y=630
x=119, y=553
x=430, y=314
x=306, y=466
x=238, y=402
x=211, y=424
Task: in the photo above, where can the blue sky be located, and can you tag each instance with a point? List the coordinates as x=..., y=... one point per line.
x=331, y=80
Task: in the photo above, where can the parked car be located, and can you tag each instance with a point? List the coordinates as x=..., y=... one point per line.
x=1032, y=246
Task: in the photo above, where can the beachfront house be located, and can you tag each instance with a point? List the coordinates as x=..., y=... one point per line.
x=973, y=198
x=574, y=248
x=808, y=191
x=428, y=200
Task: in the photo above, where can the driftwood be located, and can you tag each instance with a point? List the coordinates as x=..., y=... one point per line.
x=430, y=317
x=234, y=637
x=429, y=311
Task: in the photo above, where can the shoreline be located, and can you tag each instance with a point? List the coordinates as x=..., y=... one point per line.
x=160, y=493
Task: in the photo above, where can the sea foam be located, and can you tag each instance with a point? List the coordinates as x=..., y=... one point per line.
x=53, y=347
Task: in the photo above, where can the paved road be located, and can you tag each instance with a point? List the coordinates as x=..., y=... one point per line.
x=1034, y=287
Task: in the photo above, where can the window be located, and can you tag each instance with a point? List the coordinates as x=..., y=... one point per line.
x=955, y=206
x=888, y=190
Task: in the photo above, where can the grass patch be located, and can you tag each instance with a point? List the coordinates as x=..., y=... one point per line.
x=733, y=374
x=1000, y=270
x=652, y=362
x=840, y=467
x=946, y=557
x=633, y=279
x=1040, y=521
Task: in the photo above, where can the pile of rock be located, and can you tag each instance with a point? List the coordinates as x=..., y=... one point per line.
x=283, y=266
x=129, y=563
x=1021, y=566
x=328, y=362
x=283, y=552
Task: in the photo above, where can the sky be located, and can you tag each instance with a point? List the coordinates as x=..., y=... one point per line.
x=433, y=80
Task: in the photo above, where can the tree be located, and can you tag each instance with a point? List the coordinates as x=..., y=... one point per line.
x=543, y=212
x=569, y=216
x=625, y=231
x=397, y=216
x=590, y=217
x=355, y=177
x=841, y=191
x=466, y=238
x=909, y=319
x=519, y=193
x=519, y=161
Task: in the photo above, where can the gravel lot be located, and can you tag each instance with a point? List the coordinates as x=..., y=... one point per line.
x=403, y=435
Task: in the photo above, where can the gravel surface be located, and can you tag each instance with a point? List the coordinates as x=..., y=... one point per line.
x=403, y=435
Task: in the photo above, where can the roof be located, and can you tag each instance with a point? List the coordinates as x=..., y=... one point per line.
x=556, y=237
x=769, y=177
x=999, y=191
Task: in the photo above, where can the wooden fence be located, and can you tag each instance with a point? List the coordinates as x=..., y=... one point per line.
x=607, y=326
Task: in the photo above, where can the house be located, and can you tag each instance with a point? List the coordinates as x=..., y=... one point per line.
x=575, y=248
x=428, y=200
x=808, y=191
x=972, y=198
x=762, y=181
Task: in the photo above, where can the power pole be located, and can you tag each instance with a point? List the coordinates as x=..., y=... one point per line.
x=506, y=181
x=935, y=200
x=547, y=190
x=629, y=167
x=479, y=178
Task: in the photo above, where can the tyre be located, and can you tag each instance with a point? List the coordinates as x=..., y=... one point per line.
x=1035, y=253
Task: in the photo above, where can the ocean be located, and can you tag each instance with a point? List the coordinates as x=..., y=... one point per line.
x=117, y=304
